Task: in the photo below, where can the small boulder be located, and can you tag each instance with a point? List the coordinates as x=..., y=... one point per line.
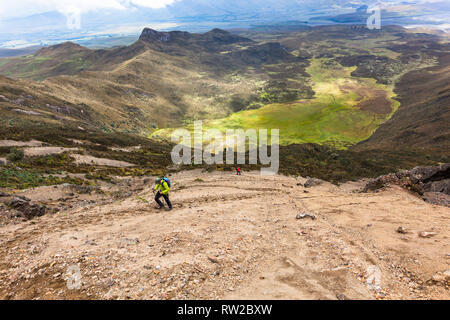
x=402, y=230
x=426, y=234
x=313, y=182
x=26, y=209
x=440, y=278
x=3, y=98
x=213, y=259
x=341, y=296
x=34, y=210
x=18, y=202
x=305, y=215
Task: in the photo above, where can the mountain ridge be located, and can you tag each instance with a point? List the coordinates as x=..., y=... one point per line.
x=309, y=79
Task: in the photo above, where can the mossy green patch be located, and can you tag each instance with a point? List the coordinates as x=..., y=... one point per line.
x=333, y=117
x=24, y=179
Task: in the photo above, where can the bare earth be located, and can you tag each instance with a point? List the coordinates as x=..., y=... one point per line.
x=43, y=151
x=85, y=159
x=13, y=143
x=229, y=237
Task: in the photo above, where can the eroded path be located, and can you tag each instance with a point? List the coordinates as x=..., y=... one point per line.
x=232, y=237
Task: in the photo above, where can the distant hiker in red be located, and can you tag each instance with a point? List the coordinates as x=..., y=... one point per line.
x=238, y=171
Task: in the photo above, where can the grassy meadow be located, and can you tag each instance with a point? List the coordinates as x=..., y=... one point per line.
x=333, y=117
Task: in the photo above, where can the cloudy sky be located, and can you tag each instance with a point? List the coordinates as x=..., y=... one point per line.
x=46, y=21
x=23, y=8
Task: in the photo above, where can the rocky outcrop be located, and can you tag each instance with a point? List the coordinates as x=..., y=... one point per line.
x=150, y=35
x=26, y=209
x=432, y=183
x=216, y=36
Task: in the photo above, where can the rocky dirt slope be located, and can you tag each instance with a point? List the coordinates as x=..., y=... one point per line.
x=237, y=237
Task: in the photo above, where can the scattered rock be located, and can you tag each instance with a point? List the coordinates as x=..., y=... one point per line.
x=440, y=278
x=304, y=215
x=425, y=234
x=402, y=230
x=313, y=182
x=439, y=198
x=109, y=283
x=212, y=259
x=341, y=296
x=23, y=198
x=80, y=189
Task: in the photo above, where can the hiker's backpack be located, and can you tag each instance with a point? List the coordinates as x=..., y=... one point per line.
x=167, y=180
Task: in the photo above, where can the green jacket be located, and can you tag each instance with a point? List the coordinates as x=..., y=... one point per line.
x=162, y=187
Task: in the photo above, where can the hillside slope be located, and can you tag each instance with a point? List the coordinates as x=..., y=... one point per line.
x=159, y=81
x=331, y=85
x=422, y=121
x=229, y=237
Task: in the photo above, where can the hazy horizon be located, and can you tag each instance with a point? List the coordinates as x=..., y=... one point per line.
x=45, y=22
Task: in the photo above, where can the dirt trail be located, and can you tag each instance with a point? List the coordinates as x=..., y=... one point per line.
x=231, y=237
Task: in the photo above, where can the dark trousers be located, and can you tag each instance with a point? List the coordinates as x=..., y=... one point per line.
x=166, y=197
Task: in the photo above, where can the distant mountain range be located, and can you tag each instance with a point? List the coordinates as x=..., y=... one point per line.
x=353, y=102
x=4, y=53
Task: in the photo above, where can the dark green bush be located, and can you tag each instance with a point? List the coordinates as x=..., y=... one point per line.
x=15, y=155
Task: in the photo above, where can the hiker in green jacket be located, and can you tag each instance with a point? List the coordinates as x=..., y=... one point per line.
x=162, y=189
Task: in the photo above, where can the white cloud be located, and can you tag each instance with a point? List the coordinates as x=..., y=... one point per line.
x=151, y=3
x=21, y=8
x=134, y=29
